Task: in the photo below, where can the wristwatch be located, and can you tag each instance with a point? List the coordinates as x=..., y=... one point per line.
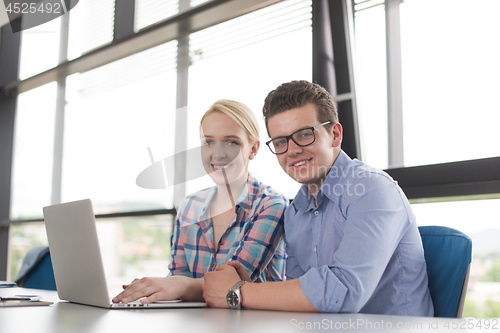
x=234, y=296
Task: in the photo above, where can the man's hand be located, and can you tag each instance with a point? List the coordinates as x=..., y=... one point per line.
x=217, y=285
x=153, y=289
x=240, y=270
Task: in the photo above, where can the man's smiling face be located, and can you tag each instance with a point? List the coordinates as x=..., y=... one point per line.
x=307, y=165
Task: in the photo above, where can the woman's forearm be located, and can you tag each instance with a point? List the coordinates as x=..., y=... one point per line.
x=193, y=290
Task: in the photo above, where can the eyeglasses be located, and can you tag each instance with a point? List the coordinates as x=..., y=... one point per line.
x=303, y=137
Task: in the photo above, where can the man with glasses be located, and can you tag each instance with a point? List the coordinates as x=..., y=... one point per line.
x=351, y=237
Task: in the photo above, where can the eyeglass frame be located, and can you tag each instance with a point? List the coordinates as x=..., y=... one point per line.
x=288, y=137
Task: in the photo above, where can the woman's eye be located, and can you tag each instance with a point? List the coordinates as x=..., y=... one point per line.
x=231, y=143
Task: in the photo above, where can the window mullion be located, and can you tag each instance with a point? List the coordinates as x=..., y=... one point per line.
x=183, y=62
x=10, y=44
x=394, y=84
x=59, y=115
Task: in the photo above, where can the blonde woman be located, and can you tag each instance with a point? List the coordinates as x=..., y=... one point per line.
x=238, y=219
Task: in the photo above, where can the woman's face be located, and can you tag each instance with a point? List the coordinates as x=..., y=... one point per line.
x=225, y=148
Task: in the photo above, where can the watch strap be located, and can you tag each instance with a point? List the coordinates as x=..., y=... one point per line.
x=237, y=285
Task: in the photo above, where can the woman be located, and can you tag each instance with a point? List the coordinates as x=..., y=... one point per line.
x=238, y=219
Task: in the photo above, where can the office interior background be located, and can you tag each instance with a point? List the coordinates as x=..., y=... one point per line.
x=84, y=96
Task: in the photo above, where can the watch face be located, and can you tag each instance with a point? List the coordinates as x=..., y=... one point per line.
x=232, y=299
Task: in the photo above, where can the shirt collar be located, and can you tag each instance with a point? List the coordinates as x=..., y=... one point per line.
x=339, y=170
x=304, y=200
x=247, y=196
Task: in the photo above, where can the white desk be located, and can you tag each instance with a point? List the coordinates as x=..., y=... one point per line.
x=64, y=317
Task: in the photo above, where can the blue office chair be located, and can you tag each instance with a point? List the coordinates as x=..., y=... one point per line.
x=448, y=254
x=36, y=270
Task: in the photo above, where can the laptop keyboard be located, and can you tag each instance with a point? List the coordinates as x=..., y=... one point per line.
x=130, y=304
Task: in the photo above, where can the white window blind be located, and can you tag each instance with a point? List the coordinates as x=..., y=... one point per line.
x=140, y=66
x=91, y=25
x=149, y=12
x=273, y=21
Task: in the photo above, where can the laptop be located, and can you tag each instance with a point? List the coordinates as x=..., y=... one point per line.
x=77, y=261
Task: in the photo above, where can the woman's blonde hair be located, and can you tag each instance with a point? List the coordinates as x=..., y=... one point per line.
x=238, y=112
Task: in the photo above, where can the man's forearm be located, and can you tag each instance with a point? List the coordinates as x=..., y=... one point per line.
x=284, y=296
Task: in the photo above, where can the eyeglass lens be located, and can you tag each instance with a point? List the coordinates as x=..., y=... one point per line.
x=302, y=138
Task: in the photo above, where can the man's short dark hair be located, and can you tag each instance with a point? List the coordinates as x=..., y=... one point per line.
x=295, y=94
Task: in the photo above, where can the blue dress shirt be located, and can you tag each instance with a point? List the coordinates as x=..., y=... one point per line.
x=359, y=249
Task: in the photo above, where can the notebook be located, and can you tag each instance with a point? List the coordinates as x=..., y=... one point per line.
x=77, y=261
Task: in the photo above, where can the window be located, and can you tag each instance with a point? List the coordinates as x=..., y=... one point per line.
x=23, y=237
x=479, y=220
x=114, y=113
x=149, y=12
x=130, y=247
x=371, y=83
x=90, y=26
x=39, y=48
x=450, y=80
x=33, y=149
x=243, y=59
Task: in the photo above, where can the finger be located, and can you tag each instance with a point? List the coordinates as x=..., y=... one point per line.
x=235, y=263
x=135, y=291
x=221, y=267
x=144, y=292
x=240, y=269
x=150, y=299
x=118, y=298
x=125, y=286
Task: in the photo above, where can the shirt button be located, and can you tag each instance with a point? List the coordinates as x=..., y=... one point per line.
x=221, y=242
x=316, y=213
x=314, y=249
x=213, y=266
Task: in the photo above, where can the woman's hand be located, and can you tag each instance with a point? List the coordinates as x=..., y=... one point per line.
x=152, y=289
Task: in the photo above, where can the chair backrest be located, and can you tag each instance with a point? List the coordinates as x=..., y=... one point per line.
x=36, y=270
x=448, y=254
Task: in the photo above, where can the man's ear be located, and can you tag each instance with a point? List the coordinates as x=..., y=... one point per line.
x=254, y=149
x=336, y=132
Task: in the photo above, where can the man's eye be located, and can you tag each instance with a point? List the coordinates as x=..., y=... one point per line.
x=280, y=143
x=305, y=134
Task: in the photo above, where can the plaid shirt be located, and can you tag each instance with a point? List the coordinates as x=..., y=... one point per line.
x=254, y=238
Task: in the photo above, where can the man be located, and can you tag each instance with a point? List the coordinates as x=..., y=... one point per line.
x=351, y=236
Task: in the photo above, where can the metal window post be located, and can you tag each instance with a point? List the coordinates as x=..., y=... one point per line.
x=181, y=125
x=10, y=44
x=333, y=66
x=55, y=197
x=394, y=84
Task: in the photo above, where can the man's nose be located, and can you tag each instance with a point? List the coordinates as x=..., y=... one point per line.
x=293, y=148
